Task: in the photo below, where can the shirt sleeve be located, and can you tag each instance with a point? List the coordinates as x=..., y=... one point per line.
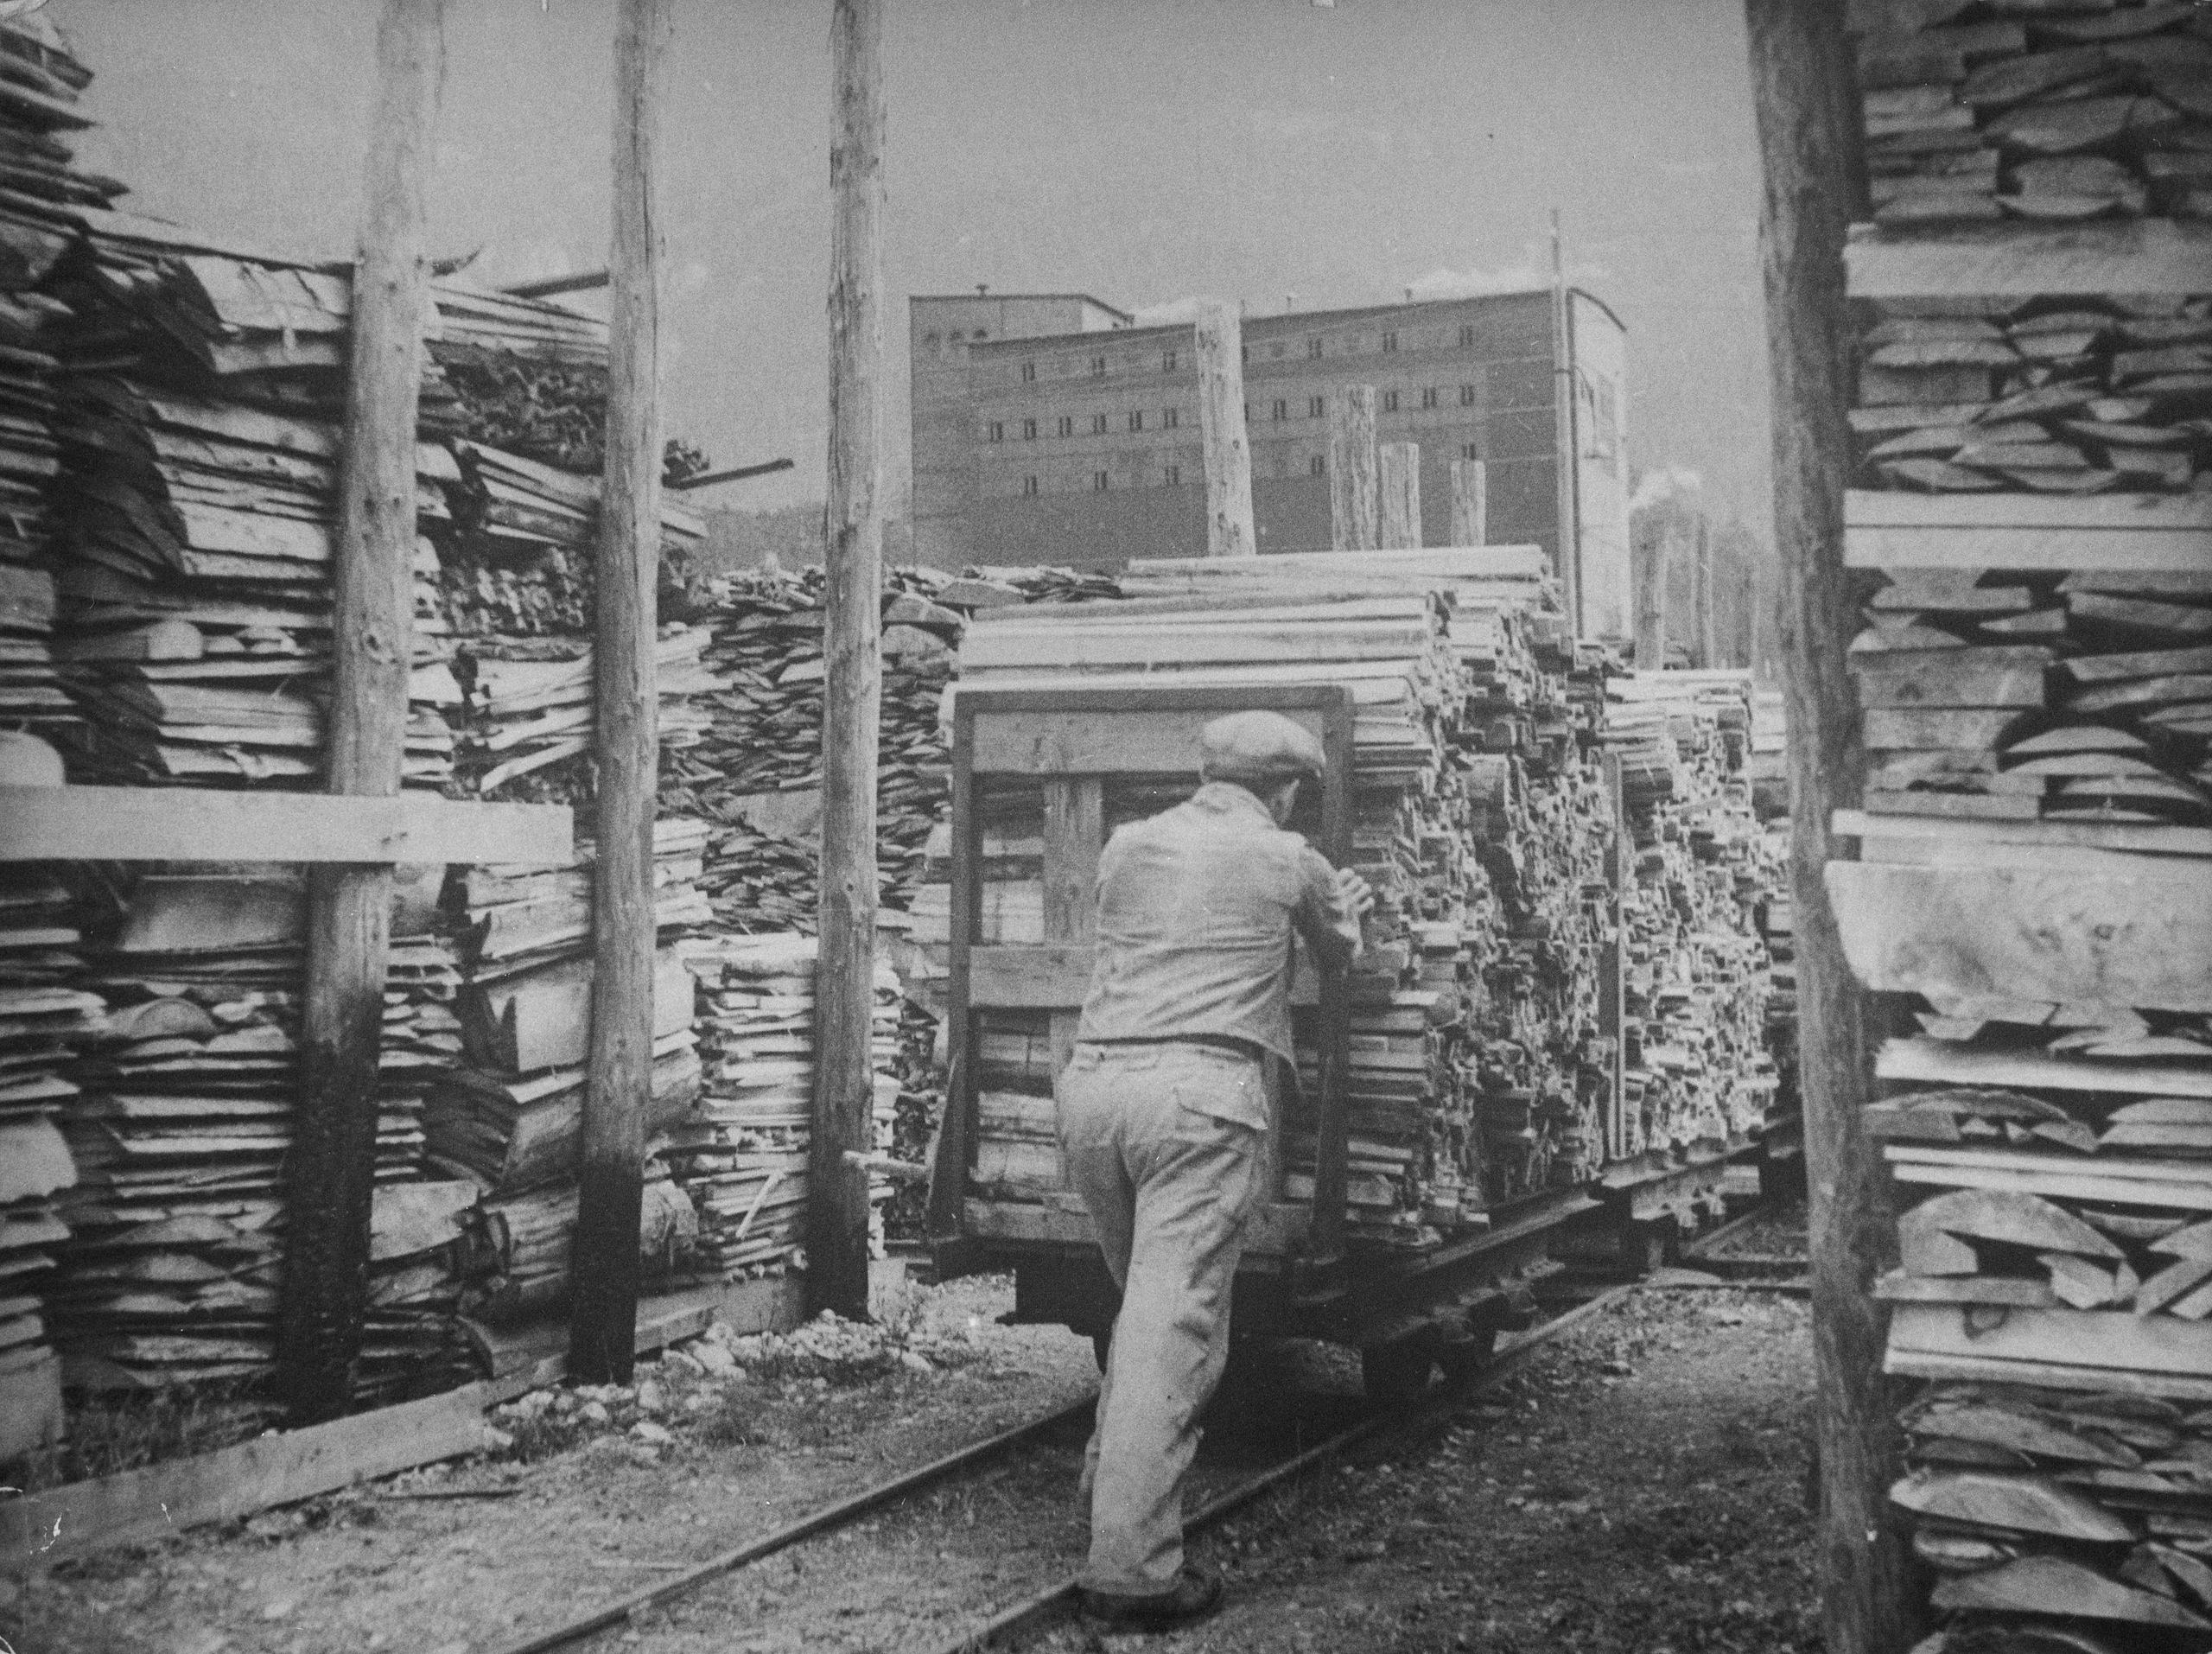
x=1329, y=925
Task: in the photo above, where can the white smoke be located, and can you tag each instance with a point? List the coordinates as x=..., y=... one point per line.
x=1662, y=483
x=1172, y=312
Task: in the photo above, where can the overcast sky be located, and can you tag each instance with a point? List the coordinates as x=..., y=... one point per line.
x=1138, y=150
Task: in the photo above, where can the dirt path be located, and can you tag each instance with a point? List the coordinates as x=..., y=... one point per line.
x=1639, y=1487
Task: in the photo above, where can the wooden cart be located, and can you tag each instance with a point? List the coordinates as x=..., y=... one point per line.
x=1403, y=1310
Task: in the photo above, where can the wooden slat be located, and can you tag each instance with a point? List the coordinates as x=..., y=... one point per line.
x=1450, y=562
x=2109, y=548
x=1936, y=1062
x=1075, y=833
x=2098, y=1339
x=1028, y=978
x=2025, y=261
x=1099, y=743
x=2107, y=835
x=204, y=824
x=2057, y=1375
x=2064, y=1180
x=2029, y=933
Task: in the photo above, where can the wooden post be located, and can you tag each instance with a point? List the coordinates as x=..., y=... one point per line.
x=1809, y=126
x=1354, y=518
x=1470, y=503
x=837, y=1208
x=331, y=1169
x=1400, y=473
x=1650, y=621
x=1565, y=448
x=1221, y=431
x=603, y=1321
x=1701, y=597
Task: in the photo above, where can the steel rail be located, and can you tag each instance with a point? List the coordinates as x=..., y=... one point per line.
x=1033, y=1613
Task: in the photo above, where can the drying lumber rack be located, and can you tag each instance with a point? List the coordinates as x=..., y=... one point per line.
x=1299, y=1277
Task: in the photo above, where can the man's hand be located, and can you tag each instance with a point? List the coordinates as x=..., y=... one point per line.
x=1356, y=892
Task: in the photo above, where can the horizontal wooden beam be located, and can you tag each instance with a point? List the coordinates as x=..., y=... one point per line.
x=1444, y=562
x=1057, y=977
x=2014, y=260
x=2160, y=1345
x=2086, y=835
x=1938, y=1062
x=92, y=824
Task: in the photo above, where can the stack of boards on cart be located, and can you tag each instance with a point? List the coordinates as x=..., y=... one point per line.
x=510, y=1117
x=742, y=1153
x=1698, y=1067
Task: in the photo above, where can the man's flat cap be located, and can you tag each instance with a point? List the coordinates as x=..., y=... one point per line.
x=1263, y=747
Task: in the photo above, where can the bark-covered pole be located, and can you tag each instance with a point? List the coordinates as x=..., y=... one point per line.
x=1648, y=622
x=330, y=1173
x=1809, y=126
x=1398, y=467
x=603, y=1321
x=1354, y=501
x=1227, y=449
x=837, y=1209
x=1470, y=503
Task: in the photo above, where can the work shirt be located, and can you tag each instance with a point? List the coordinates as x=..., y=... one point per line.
x=1196, y=910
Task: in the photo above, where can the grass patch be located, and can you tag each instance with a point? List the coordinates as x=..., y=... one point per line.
x=109, y=1435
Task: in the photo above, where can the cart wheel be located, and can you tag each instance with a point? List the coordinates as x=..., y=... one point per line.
x=1646, y=1247
x=1463, y=1358
x=1396, y=1374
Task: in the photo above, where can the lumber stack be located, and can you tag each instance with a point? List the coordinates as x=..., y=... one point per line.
x=2039, y=695
x=509, y=1117
x=742, y=1157
x=1768, y=766
x=2038, y=114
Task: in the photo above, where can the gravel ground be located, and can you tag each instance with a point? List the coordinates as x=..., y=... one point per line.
x=1638, y=1487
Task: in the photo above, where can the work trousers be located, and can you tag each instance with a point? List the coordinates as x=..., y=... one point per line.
x=1163, y=1144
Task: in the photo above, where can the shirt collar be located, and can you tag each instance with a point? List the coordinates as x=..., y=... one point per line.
x=1226, y=797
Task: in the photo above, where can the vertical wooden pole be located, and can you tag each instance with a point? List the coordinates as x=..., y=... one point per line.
x=837, y=1209
x=1808, y=127
x=1221, y=431
x=1470, y=503
x=1568, y=566
x=1702, y=599
x=1650, y=621
x=603, y=1322
x=331, y=1169
x=1399, y=471
x=1354, y=507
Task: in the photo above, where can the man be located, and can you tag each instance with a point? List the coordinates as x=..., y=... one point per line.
x=1162, y=1111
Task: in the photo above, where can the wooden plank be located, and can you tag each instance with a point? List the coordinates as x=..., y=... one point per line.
x=1449, y=564
x=140, y=1506
x=2162, y=513
x=2105, y=1340
x=2063, y=1180
x=838, y=1198
x=1099, y=743
x=1649, y=620
x=1069, y=645
x=1470, y=502
x=1224, y=444
x=603, y=1313
x=1075, y=834
x=2016, y=260
x=1940, y=1063
x=330, y=1166
x=100, y=824
x=1029, y=978
x=2109, y=835
x=1399, y=489
x=1888, y=730
x=2056, y=1375
x=2109, y=548
x=2030, y=933
x=1354, y=501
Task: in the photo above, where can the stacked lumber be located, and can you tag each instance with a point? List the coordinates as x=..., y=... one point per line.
x=44, y=1018
x=2045, y=694
x=2044, y=113
x=742, y=1157
x=1698, y=1067
x=1769, y=766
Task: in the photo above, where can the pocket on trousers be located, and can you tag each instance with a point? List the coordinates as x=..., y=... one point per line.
x=1223, y=1088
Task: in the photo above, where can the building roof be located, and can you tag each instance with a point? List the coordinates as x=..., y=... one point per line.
x=927, y=298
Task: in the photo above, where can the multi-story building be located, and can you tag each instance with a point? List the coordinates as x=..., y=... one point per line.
x=1047, y=429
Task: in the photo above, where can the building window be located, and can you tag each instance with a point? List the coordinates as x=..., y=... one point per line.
x=1467, y=451
x=1167, y=361
x=1028, y=430
x=1247, y=353
x=957, y=335
x=1029, y=372
x=1467, y=396
x=1174, y=476
x=1171, y=417
x=1428, y=396
x=998, y=430
x=1313, y=345
x=1316, y=407
x=1098, y=368
x=1281, y=408
x=1098, y=424
x=1466, y=335
x=1029, y=485
x=1389, y=402
x=1390, y=341
x=1098, y=482
x=933, y=339
x=979, y=334
x=1067, y=424
x=1318, y=466
x=1136, y=419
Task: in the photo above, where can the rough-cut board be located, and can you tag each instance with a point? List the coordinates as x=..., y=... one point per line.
x=2029, y=933
x=202, y=824
x=2154, y=1346
x=2107, y=532
x=2027, y=261
x=142, y=1505
x=1944, y=1064
x=2056, y=1375
x=2106, y=835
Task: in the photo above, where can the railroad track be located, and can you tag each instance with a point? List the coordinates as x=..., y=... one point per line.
x=1005, y=1627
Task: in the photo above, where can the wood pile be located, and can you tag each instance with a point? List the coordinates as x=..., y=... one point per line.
x=2038, y=113
x=742, y=1155
x=1768, y=766
x=2044, y=695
